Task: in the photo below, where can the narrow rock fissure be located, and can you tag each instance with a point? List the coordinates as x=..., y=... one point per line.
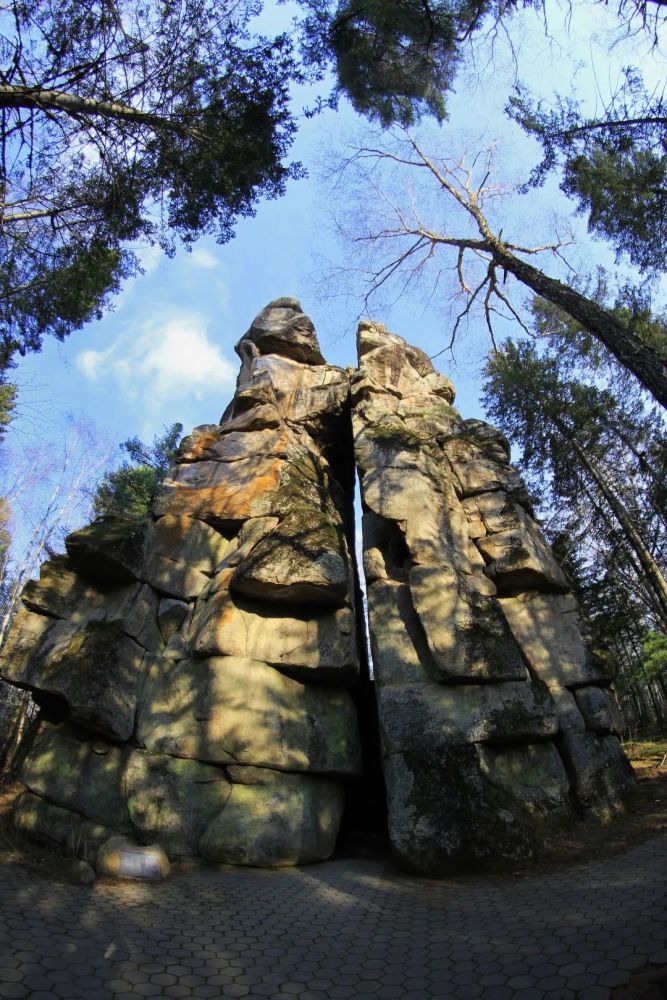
x=364, y=823
x=361, y=590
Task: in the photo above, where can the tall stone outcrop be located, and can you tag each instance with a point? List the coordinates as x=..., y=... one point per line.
x=196, y=670
x=495, y=720
x=195, y=666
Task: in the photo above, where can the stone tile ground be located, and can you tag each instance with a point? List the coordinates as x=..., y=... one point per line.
x=344, y=929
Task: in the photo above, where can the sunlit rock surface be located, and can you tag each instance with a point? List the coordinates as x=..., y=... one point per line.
x=493, y=723
x=198, y=671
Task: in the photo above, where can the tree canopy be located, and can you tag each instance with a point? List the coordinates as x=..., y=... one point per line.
x=125, y=123
x=394, y=59
x=7, y=404
x=614, y=164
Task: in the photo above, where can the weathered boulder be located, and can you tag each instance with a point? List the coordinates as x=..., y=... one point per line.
x=28, y=632
x=396, y=366
x=479, y=457
x=230, y=710
x=84, y=775
x=600, y=711
x=204, y=654
x=111, y=549
x=417, y=504
x=469, y=704
x=547, y=628
x=282, y=328
x=516, y=555
x=303, y=561
x=171, y=800
x=470, y=804
x=62, y=593
x=602, y=777
x=220, y=494
x=95, y=668
x=321, y=646
x=225, y=494
x=170, y=616
x=177, y=648
x=275, y=820
x=182, y=554
x=417, y=715
x=464, y=627
x=249, y=535
x=570, y=719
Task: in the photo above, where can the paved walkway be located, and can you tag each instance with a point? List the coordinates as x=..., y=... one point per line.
x=345, y=929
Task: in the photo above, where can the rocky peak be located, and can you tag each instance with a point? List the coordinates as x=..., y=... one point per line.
x=282, y=328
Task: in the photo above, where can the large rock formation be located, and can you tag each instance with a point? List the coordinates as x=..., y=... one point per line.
x=195, y=669
x=494, y=719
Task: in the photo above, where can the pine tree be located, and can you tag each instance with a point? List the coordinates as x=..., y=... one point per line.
x=130, y=490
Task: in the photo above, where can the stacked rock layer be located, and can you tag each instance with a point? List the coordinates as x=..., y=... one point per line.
x=495, y=720
x=202, y=658
x=196, y=670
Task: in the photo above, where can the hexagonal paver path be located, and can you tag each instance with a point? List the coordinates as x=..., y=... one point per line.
x=345, y=929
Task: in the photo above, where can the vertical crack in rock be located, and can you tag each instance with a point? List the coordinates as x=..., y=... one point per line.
x=198, y=670
x=495, y=722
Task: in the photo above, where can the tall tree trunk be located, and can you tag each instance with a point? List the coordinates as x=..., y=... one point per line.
x=650, y=567
x=43, y=99
x=634, y=587
x=643, y=361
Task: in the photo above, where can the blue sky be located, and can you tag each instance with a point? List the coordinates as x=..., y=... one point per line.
x=165, y=353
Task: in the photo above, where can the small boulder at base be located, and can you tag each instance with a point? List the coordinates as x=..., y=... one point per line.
x=121, y=857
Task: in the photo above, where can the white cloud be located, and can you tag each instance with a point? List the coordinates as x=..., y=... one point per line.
x=184, y=359
x=203, y=258
x=170, y=359
x=90, y=363
x=150, y=258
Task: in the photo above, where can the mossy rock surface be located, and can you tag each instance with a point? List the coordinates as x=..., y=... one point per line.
x=96, y=668
x=290, y=820
x=303, y=561
x=79, y=773
x=110, y=550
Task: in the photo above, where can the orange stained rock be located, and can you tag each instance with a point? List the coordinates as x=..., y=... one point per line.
x=203, y=443
x=234, y=499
